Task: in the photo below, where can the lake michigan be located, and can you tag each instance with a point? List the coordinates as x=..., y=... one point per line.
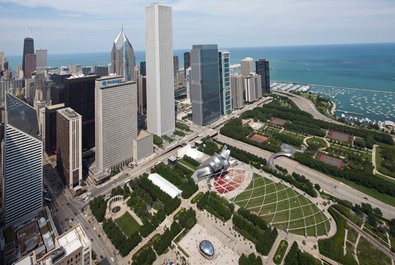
x=359, y=78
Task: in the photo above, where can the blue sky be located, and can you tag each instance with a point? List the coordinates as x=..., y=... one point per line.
x=72, y=26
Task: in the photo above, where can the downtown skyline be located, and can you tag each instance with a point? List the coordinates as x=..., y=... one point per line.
x=269, y=23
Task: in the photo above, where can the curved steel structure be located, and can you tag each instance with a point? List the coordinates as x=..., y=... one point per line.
x=213, y=165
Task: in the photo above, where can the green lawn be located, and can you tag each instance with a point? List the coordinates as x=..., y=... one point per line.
x=385, y=159
x=280, y=252
x=128, y=224
x=186, y=164
x=283, y=207
x=370, y=255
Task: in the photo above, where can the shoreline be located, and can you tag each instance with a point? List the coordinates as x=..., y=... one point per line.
x=333, y=108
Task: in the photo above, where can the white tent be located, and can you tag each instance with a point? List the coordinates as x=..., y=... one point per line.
x=165, y=185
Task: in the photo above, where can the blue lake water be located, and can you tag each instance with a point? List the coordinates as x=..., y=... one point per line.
x=338, y=72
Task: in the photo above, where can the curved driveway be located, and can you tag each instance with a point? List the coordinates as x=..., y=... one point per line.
x=307, y=105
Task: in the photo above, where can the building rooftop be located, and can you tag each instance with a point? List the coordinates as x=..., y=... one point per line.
x=56, y=106
x=73, y=239
x=22, y=116
x=165, y=185
x=69, y=113
x=143, y=134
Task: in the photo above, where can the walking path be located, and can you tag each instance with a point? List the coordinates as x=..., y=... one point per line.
x=369, y=238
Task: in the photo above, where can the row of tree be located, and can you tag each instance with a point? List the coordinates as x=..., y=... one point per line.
x=98, y=208
x=170, y=204
x=179, y=176
x=256, y=230
x=216, y=205
x=250, y=260
x=297, y=257
x=118, y=239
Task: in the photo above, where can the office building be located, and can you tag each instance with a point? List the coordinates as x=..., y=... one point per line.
x=22, y=158
x=122, y=57
x=1, y=61
x=160, y=76
x=116, y=122
x=187, y=62
x=252, y=88
x=50, y=127
x=101, y=71
x=224, y=77
x=79, y=94
x=28, y=48
x=246, y=65
x=69, y=146
x=142, y=94
x=9, y=86
x=143, y=69
x=237, y=91
x=175, y=64
x=19, y=72
x=262, y=69
x=142, y=146
x=205, y=90
x=71, y=248
x=42, y=58
x=30, y=65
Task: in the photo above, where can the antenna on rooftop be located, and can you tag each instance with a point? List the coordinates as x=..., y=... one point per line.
x=31, y=32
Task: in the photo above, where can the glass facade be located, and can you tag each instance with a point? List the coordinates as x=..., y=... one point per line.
x=225, y=93
x=205, y=84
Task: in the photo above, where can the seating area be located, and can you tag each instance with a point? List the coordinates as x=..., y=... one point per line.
x=229, y=181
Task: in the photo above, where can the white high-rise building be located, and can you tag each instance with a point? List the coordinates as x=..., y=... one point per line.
x=247, y=66
x=160, y=68
x=41, y=58
x=69, y=145
x=22, y=158
x=115, y=121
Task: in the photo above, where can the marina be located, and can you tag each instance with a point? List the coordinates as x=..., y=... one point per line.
x=363, y=105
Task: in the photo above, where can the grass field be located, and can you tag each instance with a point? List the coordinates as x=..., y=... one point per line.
x=370, y=255
x=283, y=207
x=127, y=224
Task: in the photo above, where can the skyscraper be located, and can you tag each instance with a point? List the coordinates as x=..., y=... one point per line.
x=252, y=87
x=175, y=64
x=1, y=61
x=122, y=57
x=116, y=121
x=237, y=88
x=69, y=145
x=160, y=76
x=143, y=69
x=262, y=69
x=41, y=58
x=187, y=62
x=30, y=65
x=28, y=48
x=205, y=90
x=50, y=127
x=246, y=66
x=23, y=161
x=79, y=94
x=224, y=77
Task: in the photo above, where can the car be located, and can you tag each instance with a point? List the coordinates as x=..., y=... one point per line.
x=112, y=259
x=365, y=198
x=101, y=256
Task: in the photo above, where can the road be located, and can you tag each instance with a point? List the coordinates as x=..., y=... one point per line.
x=330, y=185
x=307, y=105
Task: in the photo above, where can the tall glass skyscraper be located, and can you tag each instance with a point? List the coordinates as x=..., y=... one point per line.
x=205, y=84
x=262, y=69
x=28, y=48
x=224, y=77
x=23, y=161
x=122, y=57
